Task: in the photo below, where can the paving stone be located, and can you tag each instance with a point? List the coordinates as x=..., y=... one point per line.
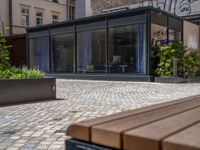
x=15, y=137
x=12, y=148
x=21, y=141
x=18, y=145
x=42, y=125
x=53, y=147
x=42, y=147
x=37, y=134
x=26, y=134
x=30, y=145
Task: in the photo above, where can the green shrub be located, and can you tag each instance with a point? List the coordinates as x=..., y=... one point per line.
x=18, y=73
x=6, y=70
x=165, y=66
x=188, y=60
x=192, y=62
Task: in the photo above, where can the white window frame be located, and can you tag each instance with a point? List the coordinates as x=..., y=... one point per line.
x=25, y=20
x=71, y=12
x=39, y=17
x=55, y=20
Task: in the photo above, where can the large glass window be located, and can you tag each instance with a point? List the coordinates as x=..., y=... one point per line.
x=39, y=53
x=92, y=51
x=126, y=53
x=63, y=49
x=32, y=53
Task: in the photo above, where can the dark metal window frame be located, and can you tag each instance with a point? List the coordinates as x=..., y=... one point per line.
x=106, y=18
x=168, y=26
x=51, y=49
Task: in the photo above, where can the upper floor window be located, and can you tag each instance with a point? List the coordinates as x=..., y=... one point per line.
x=25, y=17
x=55, y=18
x=55, y=1
x=39, y=18
x=71, y=12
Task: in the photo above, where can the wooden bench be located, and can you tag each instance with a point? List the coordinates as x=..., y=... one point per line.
x=173, y=125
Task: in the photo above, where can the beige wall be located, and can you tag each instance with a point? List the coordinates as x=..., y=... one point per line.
x=191, y=35
x=48, y=9
x=4, y=13
x=46, y=6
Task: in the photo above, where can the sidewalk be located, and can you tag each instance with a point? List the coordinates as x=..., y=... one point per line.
x=43, y=125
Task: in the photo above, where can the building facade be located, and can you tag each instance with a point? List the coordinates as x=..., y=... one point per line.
x=188, y=9
x=119, y=41
x=112, y=44
x=20, y=14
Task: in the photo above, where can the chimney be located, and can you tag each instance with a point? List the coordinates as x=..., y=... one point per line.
x=83, y=8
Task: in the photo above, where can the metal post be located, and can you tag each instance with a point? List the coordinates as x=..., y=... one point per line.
x=175, y=67
x=3, y=29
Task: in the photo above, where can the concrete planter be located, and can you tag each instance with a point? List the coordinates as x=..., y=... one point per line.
x=176, y=79
x=27, y=90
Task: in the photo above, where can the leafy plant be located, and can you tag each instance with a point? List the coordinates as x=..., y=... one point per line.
x=4, y=53
x=9, y=72
x=20, y=73
x=165, y=66
x=192, y=62
x=188, y=60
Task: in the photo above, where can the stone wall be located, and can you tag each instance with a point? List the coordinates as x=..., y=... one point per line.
x=98, y=5
x=178, y=7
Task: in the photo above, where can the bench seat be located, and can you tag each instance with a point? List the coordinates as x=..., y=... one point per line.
x=150, y=128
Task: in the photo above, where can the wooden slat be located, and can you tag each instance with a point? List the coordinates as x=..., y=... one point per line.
x=188, y=139
x=82, y=131
x=109, y=134
x=149, y=137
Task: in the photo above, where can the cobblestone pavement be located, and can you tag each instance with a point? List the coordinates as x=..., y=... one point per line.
x=42, y=125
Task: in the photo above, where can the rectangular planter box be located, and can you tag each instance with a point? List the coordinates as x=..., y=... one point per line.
x=177, y=80
x=16, y=91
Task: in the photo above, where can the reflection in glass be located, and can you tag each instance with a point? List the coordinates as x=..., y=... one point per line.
x=39, y=53
x=32, y=53
x=158, y=35
x=62, y=49
x=91, y=51
x=174, y=35
x=127, y=49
